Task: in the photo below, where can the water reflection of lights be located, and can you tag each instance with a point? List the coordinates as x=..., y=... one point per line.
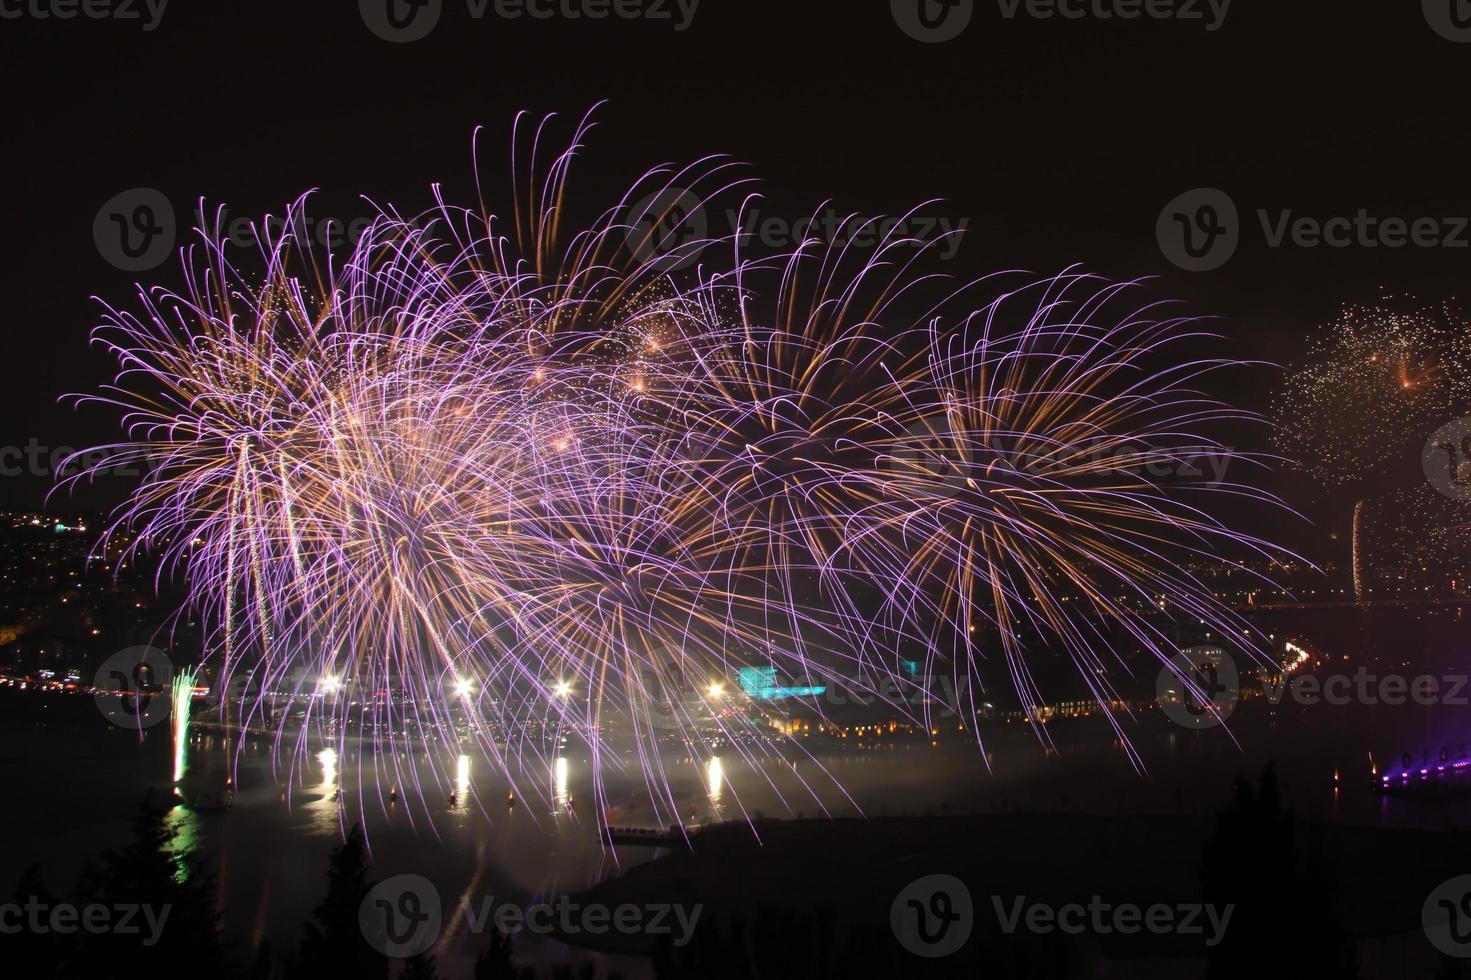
x=184, y=824
x=462, y=780
x=714, y=779
x=328, y=760
x=326, y=812
x=560, y=796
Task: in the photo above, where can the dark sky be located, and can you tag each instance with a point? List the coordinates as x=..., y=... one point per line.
x=1059, y=140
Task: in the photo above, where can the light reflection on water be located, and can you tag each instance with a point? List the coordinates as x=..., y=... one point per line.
x=715, y=780
x=561, y=795
x=462, y=783
x=188, y=837
x=271, y=849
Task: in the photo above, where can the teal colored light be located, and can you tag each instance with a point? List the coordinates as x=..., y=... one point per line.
x=760, y=683
x=754, y=680
x=910, y=667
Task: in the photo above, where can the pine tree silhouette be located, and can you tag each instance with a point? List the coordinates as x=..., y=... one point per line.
x=495, y=962
x=152, y=871
x=334, y=943
x=419, y=967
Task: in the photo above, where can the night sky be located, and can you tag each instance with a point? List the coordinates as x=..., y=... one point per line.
x=1058, y=141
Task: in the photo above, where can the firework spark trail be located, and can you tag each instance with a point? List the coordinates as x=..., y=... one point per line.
x=533, y=491
x=183, y=704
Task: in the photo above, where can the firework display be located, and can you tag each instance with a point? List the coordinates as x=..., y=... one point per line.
x=183, y=704
x=481, y=479
x=1378, y=381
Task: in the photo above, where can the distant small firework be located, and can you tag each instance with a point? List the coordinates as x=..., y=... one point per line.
x=477, y=481
x=1415, y=534
x=1376, y=382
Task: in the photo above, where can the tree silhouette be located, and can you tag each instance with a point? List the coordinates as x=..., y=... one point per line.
x=334, y=942
x=152, y=872
x=419, y=967
x=495, y=962
x=1283, y=900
